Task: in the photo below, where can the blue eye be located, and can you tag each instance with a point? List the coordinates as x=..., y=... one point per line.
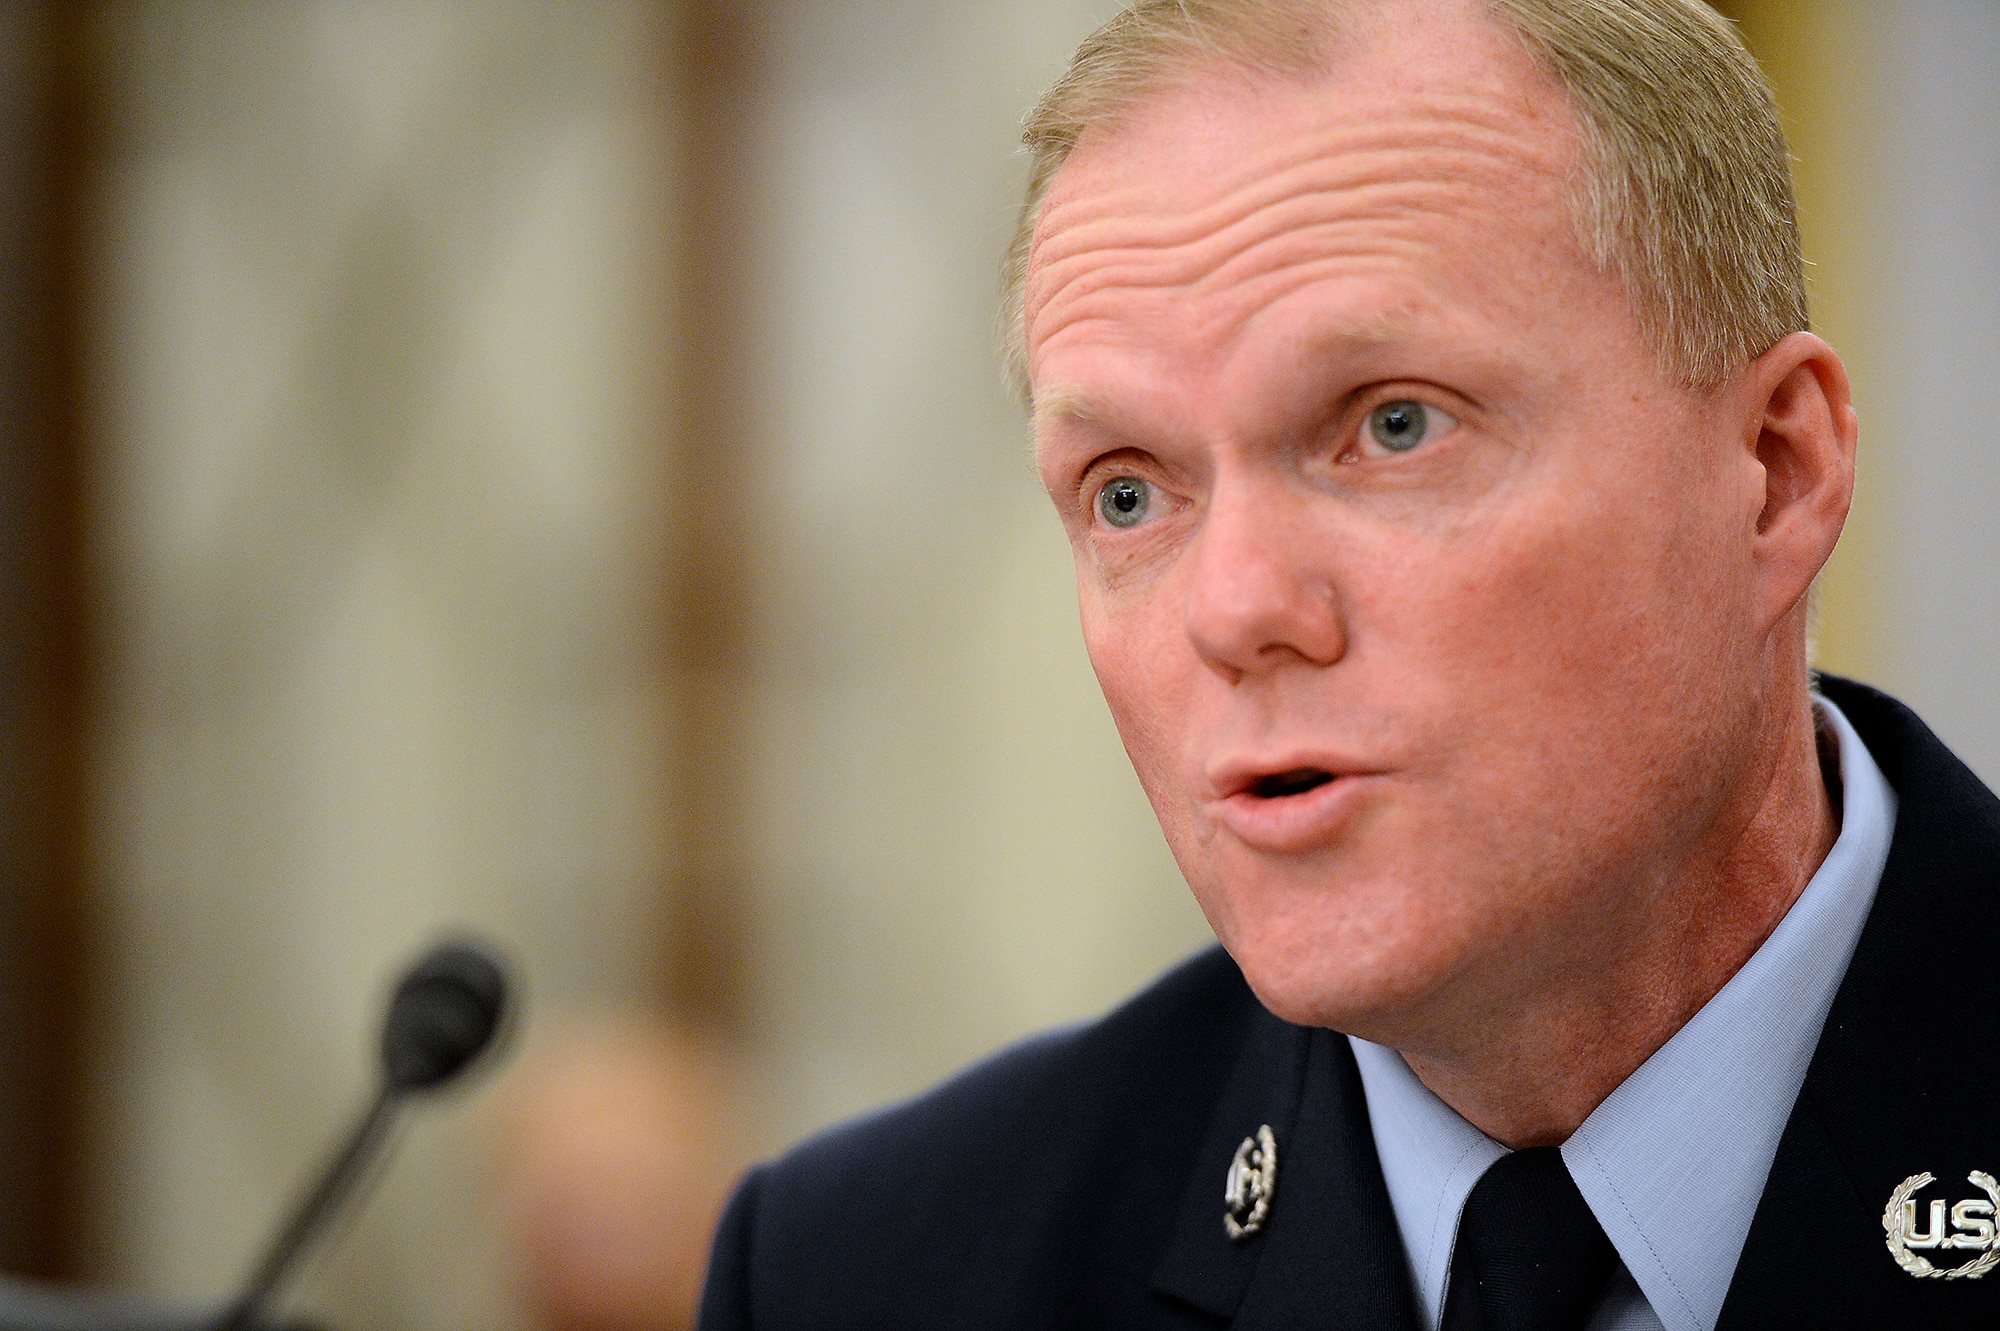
x=1400, y=426
x=1124, y=500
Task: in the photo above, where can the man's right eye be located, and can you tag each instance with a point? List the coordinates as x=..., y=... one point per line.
x=1124, y=500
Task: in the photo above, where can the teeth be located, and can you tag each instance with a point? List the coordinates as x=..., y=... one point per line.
x=1295, y=782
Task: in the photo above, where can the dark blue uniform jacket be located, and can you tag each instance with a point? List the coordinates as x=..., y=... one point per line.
x=1076, y=1181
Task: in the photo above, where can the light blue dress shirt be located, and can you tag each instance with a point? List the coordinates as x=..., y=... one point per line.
x=1674, y=1161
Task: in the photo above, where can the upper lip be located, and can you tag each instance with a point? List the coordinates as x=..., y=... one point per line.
x=1244, y=776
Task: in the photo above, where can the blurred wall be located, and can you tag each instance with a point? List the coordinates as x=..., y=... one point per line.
x=381, y=331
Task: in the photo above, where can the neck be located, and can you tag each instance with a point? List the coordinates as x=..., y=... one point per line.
x=1539, y=1068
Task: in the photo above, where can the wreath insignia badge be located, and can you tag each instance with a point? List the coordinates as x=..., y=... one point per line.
x=1251, y=1184
x=1972, y=1229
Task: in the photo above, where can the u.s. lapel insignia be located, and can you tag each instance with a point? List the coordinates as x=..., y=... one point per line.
x=1252, y=1183
x=1972, y=1229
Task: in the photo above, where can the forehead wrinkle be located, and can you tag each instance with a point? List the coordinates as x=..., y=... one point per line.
x=1379, y=232
x=1255, y=294
x=1355, y=185
x=1324, y=154
x=1374, y=222
x=1399, y=199
x=1350, y=191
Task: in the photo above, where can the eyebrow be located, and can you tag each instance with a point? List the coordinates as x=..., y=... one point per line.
x=1111, y=421
x=1100, y=417
x=1063, y=402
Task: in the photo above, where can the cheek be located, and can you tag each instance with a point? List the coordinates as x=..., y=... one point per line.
x=1555, y=601
x=1146, y=672
x=1538, y=654
x=1130, y=658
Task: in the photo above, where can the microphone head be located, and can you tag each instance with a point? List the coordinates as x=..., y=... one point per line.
x=445, y=1010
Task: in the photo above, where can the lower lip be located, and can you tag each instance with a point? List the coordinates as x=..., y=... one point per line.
x=1292, y=823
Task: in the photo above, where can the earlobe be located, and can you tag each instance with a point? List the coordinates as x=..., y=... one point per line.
x=1805, y=442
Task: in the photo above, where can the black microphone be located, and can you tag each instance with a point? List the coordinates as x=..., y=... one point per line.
x=446, y=1009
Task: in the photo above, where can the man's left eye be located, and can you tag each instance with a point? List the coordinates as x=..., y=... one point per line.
x=1401, y=425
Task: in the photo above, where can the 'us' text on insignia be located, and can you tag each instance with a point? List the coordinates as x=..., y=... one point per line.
x=1972, y=1228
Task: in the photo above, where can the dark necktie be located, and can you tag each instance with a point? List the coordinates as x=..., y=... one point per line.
x=1530, y=1256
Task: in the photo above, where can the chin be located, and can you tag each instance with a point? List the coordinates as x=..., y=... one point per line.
x=1363, y=972
x=1328, y=997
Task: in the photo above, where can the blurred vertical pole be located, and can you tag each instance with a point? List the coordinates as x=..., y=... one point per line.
x=708, y=579
x=45, y=661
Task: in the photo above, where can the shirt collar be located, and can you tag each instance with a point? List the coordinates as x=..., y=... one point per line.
x=1676, y=1209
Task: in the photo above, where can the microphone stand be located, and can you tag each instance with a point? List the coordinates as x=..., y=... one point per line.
x=348, y=1168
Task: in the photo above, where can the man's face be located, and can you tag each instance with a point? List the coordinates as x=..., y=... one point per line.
x=1423, y=602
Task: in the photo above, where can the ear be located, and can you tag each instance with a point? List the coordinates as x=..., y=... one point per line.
x=1802, y=412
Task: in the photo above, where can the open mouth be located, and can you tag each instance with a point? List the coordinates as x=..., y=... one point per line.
x=1295, y=782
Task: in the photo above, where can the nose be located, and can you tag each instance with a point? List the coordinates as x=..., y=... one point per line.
x=1260, y=591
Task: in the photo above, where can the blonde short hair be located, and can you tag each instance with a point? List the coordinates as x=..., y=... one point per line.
x=1685, y=186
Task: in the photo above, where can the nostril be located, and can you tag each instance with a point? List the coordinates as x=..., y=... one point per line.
x=1295, y=782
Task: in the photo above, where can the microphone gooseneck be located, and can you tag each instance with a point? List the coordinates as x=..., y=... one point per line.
x=445, y=1011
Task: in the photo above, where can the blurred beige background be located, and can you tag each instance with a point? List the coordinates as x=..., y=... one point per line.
x=549, y=476
x=380, y=337
x=387, y=373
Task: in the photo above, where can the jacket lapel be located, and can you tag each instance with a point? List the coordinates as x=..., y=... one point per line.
x=1328, y=1255
x=1904, y=1080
